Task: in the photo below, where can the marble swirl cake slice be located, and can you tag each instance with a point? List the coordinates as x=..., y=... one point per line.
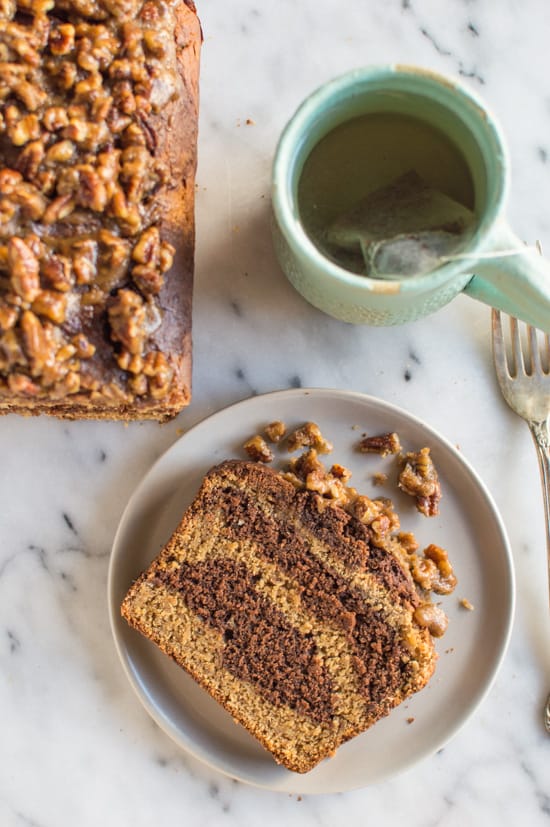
x=285, y=612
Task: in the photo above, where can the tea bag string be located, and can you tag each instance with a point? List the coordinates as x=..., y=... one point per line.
x=514, y=251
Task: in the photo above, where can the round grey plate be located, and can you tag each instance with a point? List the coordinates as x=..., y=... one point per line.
x=469, y=527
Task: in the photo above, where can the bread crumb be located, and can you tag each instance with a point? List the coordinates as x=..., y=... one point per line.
x=410, y=720
x=379, y=478
x=465, y=603
x=250, y=122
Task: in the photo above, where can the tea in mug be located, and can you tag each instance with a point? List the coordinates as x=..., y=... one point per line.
x=387, y=195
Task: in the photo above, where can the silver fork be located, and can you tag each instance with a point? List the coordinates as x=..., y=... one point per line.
x=524, y=380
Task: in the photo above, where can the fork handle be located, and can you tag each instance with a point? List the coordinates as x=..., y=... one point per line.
x=541, y=436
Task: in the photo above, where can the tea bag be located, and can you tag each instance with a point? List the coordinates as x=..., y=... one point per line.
x=401, y=229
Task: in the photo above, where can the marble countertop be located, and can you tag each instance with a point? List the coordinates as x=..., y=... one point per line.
x=77, y=748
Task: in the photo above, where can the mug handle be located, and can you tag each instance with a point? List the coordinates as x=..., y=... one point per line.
x=513, y=278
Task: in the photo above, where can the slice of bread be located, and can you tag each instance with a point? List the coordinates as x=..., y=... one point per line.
x=285, y=611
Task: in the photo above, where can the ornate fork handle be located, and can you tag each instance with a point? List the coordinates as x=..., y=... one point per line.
x=541, y=436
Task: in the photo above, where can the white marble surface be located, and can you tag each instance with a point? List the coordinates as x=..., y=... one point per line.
x=76, y=747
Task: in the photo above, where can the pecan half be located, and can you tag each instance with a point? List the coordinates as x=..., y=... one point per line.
x=24, y=269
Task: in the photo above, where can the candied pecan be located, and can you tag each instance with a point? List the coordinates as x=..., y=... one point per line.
x=91, y=191
x=8, y=317
x=59, y=209
x=93, y=296
x=30, y=159
x=156, y=43
x=67, y=75
x=432, y=617
x=69, y=384
x=132, y=35
x=124, y=97
x=20, y=383
x=30, y=201
x=55, y=118
x=341, y=472
x=61, y=40
x=24, y=269
x=35, y=342
x=308, y=435
x=134, y=161
x=159, y=374
x=147, y=248
x=117, y=121
x=56, y=272
x=51, y=304
x=382, y=444
x=150, y=12
x=60, y=152
x=166, y=256
x=24, y=130
x=100, y=106
x=84, y=260
x=30, y=95
x=407, y=542
x=87, y=87
x=114, y=257
x=127, y=215
x=11, y=352
x=127, y=362
x=126, y=314
x=419, y=478
x=275, y=431
x=8, y=9
x=147, y=279
x=138, y=384
x=315, y=477
x=377, y=514
x=445, y=581
x=9, y=179
x=83, y=347
x=258, y=449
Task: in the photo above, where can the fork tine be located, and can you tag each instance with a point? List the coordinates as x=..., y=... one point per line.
x=499, y=351
x=517, y=355
x=534, y=354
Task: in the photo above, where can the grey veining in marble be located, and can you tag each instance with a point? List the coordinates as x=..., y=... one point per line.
x=76, y=747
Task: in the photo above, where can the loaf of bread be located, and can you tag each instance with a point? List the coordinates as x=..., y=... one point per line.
x=284, y=609
x=98, y=131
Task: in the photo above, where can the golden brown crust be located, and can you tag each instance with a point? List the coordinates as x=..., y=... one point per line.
x=98, y=130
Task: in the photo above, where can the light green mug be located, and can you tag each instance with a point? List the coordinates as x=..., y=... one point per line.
x=508, y=275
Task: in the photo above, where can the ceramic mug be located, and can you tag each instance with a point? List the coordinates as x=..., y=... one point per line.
x=508, y=275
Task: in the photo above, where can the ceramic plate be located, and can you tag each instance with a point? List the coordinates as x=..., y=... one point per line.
x=468, y=526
